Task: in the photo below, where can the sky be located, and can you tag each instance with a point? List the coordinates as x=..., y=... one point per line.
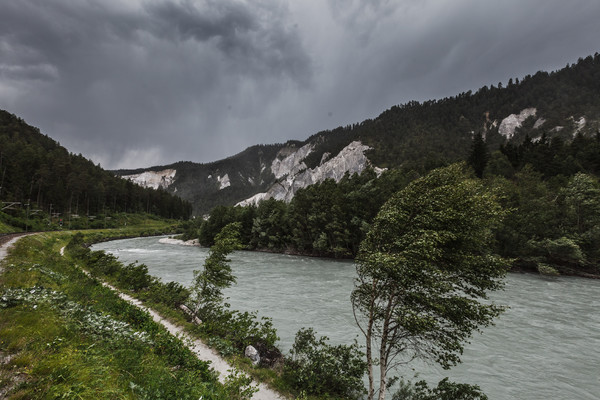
x=139, y=83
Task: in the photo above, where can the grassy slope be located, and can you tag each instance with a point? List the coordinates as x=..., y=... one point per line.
x=54, y=340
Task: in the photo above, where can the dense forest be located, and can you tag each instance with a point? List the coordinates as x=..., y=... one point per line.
x=550, y=186
x=546, y=173
x=41, y=175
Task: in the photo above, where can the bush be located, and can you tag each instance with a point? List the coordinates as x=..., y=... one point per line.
x=103, y=264
x=171, y=294
x=135, y=277
x=445, y=390
x=240, y=329
x=322, y=369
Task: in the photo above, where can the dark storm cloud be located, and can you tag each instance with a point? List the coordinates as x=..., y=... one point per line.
x=144, y=75
x=430, y=49
x=144, y=82
x=250, y=34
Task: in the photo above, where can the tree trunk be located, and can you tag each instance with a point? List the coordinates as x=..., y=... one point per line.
x=371, y=393
x=383, y=350
x=383, y=372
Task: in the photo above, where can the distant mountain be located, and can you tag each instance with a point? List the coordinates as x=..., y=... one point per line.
x=37, y=171
x=418, y=136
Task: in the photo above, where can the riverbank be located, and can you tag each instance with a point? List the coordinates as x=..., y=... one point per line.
x=197, y=346
x=509, y=360
x=64, y=334
x=519, y=266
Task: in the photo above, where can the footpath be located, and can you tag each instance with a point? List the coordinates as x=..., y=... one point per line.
x=202, y=351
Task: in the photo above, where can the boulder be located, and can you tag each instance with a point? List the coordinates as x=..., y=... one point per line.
x=252, y=354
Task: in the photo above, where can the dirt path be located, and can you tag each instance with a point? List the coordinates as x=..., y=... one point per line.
x=202, y=351
x=5, y=243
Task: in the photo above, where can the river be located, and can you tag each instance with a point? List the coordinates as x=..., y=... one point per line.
x=545, y=346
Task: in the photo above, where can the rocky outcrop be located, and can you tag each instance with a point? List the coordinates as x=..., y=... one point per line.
x=153, y=179
x=291, y=163
x=513, y=121
x=224, y=181
x=294, y=175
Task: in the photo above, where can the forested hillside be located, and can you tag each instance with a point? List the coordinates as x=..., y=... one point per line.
x=413, y=136
x=37, y=171
x=550, y=186
x=437, y=132
x=203, y=185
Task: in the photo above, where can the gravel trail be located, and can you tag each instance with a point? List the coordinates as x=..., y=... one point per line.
x=202, y=351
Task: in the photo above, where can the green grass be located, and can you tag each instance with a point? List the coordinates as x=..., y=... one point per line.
x=53, y=331
x=63, y=335
x=108, y=269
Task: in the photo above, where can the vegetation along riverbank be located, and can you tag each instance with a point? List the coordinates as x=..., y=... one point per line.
x=64, y=335
x=552, y=227
x=96, y=344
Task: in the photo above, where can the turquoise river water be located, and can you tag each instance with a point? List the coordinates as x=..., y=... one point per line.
x=545, y=346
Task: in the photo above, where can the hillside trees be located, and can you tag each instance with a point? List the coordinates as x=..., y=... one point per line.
x=423, y=271
x=325, y=219
x=479, y=156
x=552, y=189
x=38, y=170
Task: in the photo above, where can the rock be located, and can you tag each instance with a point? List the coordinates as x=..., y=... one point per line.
x=513, y=121
x=252, y=354
x=292, y=173
x=270, y=356
x=189, y=312
x=153, y=179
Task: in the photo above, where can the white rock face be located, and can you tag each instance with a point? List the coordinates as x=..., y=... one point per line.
x=580, y=125
x=254, y=200
x=292, y=163
x=351, y=159
x=513, y=121
x=538, y=123
x=153, y=179
x=223, y=181
x=536, y=139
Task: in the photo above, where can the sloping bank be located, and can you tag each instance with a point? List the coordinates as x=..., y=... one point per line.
x=63, y=334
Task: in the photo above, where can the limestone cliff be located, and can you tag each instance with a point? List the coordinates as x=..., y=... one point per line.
x=294, y=175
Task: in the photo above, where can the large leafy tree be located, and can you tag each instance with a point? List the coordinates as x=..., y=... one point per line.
x=424, y=269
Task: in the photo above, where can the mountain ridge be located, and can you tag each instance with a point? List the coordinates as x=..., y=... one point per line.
x=414, y=135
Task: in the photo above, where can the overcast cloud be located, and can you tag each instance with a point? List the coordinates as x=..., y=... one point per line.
x=138, y=83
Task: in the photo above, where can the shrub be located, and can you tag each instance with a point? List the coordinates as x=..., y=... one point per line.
x=445, y=390
x=240, y=329
x=103, y=264
x=171, y=294
x=322, y=369
x=135, y=277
